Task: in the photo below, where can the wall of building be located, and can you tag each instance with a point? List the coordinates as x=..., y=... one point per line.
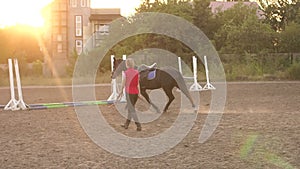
x=66, y=35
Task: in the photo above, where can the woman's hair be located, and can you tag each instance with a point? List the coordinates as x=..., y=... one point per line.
x=129, y=63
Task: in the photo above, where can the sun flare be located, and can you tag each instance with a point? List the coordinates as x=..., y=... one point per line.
x=22, y=12
x=28, y=12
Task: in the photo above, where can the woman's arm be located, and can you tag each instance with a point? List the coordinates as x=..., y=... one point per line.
x=122, y=86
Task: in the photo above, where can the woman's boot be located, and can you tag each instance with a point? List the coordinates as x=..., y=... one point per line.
x=138, y=126
x=126, y=124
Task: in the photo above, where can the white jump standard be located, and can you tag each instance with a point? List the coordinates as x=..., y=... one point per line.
x=208, y=85
x=114, y=95
x=196, y=86
x=13, y=104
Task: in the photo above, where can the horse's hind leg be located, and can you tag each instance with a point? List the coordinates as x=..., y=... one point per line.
x=170, y=95
x=146, y=96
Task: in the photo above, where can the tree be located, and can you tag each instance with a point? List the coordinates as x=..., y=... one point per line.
x=19, y=41
x=279, y=13
x=203, y=17
x=297, y=17
x=243, y=31
x=230, y=20
x=252, y=36
x=290, y=39
x=180, y=8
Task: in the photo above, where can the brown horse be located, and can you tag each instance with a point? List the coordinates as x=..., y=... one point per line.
x=166, y=78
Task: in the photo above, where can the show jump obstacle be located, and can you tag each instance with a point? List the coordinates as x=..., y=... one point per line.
x=196, y=86
x=13, y=104
x=19, y=104
x=114, y=92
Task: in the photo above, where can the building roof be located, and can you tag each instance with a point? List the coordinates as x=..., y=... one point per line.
x=105, y=14
x=104, y=17
x=105, y=11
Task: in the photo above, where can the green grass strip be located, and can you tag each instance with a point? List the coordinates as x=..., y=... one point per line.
x=247, y=146
x=279, y=162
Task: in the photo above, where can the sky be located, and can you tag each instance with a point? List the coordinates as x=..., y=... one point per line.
x=29, y=11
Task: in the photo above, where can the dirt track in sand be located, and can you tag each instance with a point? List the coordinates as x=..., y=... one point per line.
x=268, y=113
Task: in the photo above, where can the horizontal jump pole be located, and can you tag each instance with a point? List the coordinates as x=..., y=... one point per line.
x=188, y=77
x=68, y=104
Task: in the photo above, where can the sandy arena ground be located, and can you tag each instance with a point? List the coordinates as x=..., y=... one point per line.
x=260, y=128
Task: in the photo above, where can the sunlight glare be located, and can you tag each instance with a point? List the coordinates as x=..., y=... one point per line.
x=22, y=12
x=28, y=12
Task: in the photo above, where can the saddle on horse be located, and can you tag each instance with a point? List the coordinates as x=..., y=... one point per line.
x=150, y=70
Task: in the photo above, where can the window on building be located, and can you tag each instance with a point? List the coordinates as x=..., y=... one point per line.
x=83, y=3
x=78, y=46
x=78, y=25
x=73, y=3
x=102, y=29
x=59, y=38
x=59, y=48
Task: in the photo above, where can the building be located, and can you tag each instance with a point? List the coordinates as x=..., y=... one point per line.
x=70, y=23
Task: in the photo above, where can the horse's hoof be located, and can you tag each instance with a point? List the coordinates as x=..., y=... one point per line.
x=196, y=108
x=124, y=126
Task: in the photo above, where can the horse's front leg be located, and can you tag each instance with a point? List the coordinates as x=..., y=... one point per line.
x=146, y=96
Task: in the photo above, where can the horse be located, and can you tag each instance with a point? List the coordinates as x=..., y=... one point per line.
x=166, y=78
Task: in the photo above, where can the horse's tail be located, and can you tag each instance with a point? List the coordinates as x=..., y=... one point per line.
x=180, y=83
x=184, y=89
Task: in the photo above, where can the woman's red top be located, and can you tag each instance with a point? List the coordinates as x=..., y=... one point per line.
x=132, y=81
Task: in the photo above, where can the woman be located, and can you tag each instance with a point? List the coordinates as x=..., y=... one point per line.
x=131, y=84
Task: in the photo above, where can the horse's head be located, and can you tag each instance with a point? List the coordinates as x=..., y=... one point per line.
x=118, y=66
